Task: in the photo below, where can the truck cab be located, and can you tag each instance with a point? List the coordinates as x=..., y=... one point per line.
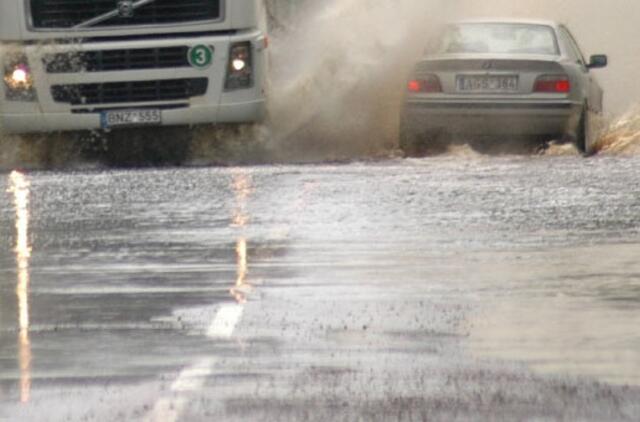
x=103, y=64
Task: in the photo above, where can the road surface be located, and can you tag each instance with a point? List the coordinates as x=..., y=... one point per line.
x=460, y=287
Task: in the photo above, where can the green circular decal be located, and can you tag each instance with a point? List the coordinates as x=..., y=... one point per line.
x=200, y=56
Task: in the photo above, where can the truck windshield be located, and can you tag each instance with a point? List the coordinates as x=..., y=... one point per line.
x=499, y=38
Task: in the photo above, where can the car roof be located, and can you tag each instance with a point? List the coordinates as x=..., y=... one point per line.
x=544, y=22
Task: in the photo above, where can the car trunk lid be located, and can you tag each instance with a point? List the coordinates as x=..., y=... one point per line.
x=473, y=74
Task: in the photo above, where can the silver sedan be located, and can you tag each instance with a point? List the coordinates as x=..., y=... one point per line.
x=502, y=78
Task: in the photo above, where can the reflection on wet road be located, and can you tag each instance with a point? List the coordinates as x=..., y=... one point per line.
x=242, y=188
x=456, y=287
x=19, y=187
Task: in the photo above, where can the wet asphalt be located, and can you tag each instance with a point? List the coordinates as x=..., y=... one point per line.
x=461, y=287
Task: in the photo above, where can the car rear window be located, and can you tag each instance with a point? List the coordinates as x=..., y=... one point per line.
x=499, y=38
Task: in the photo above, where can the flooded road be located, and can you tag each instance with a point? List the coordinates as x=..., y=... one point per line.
x=448, y=288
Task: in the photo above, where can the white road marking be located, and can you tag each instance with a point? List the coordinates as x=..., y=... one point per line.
x=167, y=410
x=225, y=322
x=193, y=378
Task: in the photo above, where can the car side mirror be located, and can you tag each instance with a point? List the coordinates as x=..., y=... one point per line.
x=598, y=61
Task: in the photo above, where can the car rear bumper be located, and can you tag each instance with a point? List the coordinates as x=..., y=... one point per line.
x=492, y=118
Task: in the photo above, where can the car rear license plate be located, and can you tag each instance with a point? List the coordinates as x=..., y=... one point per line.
x=487, y=83
x=129, y=118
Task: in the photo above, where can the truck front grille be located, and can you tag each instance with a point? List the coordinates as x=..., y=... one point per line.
x=130, y=92
x=61, y=14
x=114, y=60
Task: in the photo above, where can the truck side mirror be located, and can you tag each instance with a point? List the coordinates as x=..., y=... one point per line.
x=598, y=61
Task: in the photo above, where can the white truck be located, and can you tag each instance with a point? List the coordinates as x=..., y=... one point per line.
x=102, y=64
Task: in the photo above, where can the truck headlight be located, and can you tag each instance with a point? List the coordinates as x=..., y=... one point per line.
x=240, y=67
x=18, y=80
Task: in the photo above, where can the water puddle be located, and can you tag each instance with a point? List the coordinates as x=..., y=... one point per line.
x=573, y=313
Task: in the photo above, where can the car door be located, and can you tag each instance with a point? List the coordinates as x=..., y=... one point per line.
x=594, y=91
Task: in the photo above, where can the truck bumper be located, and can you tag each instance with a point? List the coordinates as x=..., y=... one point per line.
x=245, y=112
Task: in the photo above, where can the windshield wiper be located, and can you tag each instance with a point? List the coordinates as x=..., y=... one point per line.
x=110, y=15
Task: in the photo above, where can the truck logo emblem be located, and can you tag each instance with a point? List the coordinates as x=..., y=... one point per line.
x=487, y=65
x=125, y=8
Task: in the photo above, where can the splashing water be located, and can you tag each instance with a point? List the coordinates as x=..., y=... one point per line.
x=560, y=149
x=338, y=75
x=623, y=135
x=616, y=136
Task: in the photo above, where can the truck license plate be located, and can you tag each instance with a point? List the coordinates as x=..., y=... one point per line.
x=129, y=118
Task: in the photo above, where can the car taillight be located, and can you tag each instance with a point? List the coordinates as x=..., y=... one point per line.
x=553, y=84
x=428, y=84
